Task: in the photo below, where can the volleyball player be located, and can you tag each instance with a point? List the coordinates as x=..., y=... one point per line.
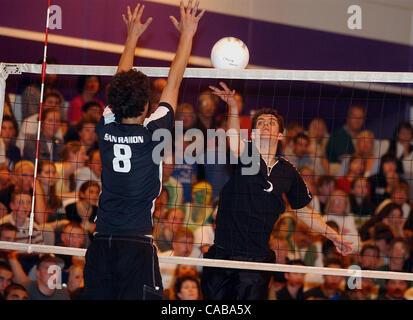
x=249, y=206
x=121, y=262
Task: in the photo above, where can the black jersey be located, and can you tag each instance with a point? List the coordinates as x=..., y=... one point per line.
x=249, y=205
x=131, y=180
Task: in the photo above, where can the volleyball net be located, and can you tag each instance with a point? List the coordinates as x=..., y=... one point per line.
x=357, y=166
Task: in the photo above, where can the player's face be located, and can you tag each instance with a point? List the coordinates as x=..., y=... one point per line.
x=189, y=290
x=17, y=294
x=268, y=126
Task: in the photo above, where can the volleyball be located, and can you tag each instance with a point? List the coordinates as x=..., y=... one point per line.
x=230, y=53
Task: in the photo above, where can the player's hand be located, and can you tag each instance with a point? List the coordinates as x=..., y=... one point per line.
x=189, y=18
x=343, y=246
x=227, y=95
x=133, y=21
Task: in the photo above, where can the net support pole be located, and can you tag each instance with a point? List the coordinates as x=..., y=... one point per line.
x=44, y=65
x=3, y=79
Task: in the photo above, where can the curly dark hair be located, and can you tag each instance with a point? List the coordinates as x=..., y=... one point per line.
x=128, y=93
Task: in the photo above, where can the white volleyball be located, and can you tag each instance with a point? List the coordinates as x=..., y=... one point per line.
x=230, y=53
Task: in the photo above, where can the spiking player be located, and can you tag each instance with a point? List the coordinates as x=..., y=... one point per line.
x=121, y=262
x=249, y=206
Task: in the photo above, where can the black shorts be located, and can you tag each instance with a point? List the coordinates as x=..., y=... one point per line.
x=122, y=268
x=235, y=284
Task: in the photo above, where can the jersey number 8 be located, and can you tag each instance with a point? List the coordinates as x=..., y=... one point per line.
x=123, y=154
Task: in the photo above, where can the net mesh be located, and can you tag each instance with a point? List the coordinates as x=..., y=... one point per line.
x=360, y=182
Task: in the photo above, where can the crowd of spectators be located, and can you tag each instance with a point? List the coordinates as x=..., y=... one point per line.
x=360, y=185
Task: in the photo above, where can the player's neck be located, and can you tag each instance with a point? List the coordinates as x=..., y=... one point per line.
x=268, y=150
x=134, y=120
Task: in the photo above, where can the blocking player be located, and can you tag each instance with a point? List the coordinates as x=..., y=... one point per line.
x=121, y=262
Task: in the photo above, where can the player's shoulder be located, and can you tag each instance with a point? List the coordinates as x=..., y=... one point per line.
x=286, y=162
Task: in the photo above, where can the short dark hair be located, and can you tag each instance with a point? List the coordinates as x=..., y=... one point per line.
x=269, y=111
x=82, y=79
x=356, y=106
x=7, y=227
x=89, y=105
x=46, y=112
x=403, y=125
x=128, y=93
x=13, y=286
x=56, y=94
x=181, y=280
x=301, y=136
x=336, y=261
x=17, y=193
x=49, y=258
x=369, y=247
x=85, y=120
x=87, y=184
x=324, y=179
x=296, y=262
x=383, y=232
x=5, y=266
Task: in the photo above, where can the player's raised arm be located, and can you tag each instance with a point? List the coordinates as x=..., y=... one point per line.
x=228, y=96
x=187, y=27
x=135, y=30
